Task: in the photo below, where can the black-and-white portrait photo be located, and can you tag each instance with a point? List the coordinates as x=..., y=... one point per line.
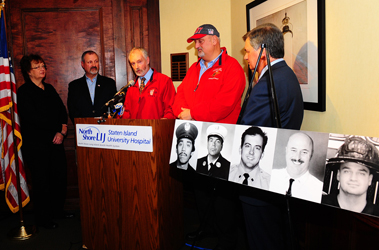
x=299, y=164
x=253, y=154
x=215, y=150
x=351, y=176
x=183, y=154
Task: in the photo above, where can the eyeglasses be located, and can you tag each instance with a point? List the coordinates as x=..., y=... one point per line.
x=40, y=66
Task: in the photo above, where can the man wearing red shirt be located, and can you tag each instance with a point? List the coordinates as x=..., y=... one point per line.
x=213, y=86
x=211, y=92
x=152, y=95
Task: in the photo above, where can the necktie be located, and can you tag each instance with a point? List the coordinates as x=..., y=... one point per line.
x=289, y=192
x=210, y=171
x=142, y=84
x=246, y=175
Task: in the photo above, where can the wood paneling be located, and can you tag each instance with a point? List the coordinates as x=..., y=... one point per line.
x=60, y=31
x=154, y=34
x=60, y=38
x=141, y=19
x=54, y=41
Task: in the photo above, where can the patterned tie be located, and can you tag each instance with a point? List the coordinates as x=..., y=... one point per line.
x=246, y=178
x=142, y=84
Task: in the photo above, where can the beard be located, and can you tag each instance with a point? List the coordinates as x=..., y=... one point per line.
x=200, y=53
x=94, y=70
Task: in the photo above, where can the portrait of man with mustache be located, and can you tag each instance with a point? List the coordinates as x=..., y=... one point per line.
x=299, y=154
x=186, y=134
x=88, y=94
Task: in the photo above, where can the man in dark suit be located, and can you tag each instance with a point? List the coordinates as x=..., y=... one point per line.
x=88, y=94
x=263, y=218
x=214, y=164
x=259, y=109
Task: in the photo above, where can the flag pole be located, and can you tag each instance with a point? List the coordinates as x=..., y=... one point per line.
x=23, y=232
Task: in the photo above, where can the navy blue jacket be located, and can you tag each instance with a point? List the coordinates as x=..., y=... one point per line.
x=259, y=110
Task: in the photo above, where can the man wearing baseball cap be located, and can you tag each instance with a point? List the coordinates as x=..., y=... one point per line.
x=213, y=86
x=357, y=162
x=186, y=134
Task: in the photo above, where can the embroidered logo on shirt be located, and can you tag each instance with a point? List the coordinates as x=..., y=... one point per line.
x=215, y=74
x=153, y=92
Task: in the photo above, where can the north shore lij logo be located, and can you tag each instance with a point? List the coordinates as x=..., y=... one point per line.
x=134, y=138
x=92, y=133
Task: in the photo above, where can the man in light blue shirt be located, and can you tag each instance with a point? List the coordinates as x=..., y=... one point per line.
x=88, y=94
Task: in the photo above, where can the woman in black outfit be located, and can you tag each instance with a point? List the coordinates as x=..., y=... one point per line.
x=43, y=128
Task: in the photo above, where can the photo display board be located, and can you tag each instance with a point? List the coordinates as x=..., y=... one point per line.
x=331, y=169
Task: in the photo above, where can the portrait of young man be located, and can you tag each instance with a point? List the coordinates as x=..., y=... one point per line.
x=355, y=167
x=183, y=149
x=252, y=161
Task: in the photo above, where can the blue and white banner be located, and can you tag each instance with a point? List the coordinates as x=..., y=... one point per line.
x=132, y=138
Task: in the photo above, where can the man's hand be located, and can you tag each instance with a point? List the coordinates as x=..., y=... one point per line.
x=185, y=114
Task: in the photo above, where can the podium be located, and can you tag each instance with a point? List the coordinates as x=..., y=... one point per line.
x=131, y=200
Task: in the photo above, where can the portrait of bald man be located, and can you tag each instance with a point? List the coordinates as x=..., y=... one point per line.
x=300, y=157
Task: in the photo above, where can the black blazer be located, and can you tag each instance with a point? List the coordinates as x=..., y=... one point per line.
x=79, y=100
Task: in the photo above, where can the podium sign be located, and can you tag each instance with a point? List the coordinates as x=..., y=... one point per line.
x=133, y=138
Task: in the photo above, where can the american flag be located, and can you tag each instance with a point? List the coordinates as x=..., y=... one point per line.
x=8, y=180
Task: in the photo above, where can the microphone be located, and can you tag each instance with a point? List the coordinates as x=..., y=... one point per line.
x=130, y=83
x=121, y=93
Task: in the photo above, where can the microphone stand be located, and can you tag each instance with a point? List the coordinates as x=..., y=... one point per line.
x=277, y=123
x=271, y=87
x=250, y=87
x=273, y=92
x=121, y=93
x=206, y=216
x=288, y=196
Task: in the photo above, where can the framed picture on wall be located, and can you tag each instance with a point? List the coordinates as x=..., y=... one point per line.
x=303, y=25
